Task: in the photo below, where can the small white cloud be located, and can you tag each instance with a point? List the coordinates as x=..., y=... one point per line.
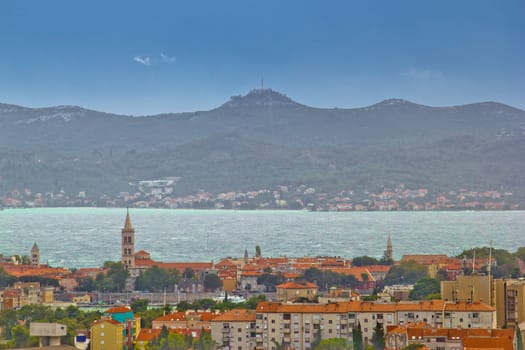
x=145, y=60
x=168, y=59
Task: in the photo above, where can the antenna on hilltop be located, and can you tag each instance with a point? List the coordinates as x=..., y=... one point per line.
x=262, y=84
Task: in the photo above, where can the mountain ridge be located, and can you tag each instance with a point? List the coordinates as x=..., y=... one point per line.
x=263, y=138
x=267, y=94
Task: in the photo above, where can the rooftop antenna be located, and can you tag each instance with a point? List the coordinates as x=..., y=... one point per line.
x=474, y=263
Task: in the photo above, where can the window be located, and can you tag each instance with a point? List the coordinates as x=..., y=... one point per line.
x=273, y=321
x=330, y=321
x=379, y=316
x=366, y=320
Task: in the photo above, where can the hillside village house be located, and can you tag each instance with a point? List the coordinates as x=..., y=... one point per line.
x=292, y=291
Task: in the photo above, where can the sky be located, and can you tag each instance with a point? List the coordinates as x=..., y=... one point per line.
x=149, y=57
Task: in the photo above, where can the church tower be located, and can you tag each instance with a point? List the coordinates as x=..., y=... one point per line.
x=128, y=243
x=35, y=256
x=389, y=257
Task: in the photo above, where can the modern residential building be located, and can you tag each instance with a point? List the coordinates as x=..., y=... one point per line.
x=433, y=338
x=468, y=288
x=298, y=325
x=189, y=320
x=106, y=334
x=509, y=300
x=234, y=329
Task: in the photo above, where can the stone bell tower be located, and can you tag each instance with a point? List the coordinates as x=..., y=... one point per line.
x=128, y=243
x=35, y=256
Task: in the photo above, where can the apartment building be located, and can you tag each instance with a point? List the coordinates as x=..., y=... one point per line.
x=432, y=338
x=298, y=325
x=509, y=300
x=234, y=329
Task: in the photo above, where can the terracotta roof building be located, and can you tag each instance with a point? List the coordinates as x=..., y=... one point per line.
x=235, y=329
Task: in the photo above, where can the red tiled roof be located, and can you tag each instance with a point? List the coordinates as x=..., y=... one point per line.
x=237, y=315
x=118, y=310
x=297, y=285
x=148, y=334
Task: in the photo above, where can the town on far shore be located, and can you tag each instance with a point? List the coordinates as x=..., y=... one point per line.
x=475, y=300
x=160, y=194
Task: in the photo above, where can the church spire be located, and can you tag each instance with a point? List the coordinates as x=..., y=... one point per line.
x=128, y=243
x=127, y=224
x=389, y=251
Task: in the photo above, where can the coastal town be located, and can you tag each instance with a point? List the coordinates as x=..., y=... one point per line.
x=421, y=301
x=160, y=194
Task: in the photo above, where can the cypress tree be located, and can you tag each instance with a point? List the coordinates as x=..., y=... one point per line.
x=378, y=338
x=357, y=336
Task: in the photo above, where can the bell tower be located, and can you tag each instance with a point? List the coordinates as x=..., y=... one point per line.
x=128, y=243
x=35, y=256
x=389, y=256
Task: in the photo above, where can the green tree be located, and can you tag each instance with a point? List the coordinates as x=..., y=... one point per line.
x=212, y=282
x=6, y=279
x=357, y=337
x=21, y=338
x=378, y=337
x=424, y=287
x=115, y=278
x=86, y=284
x=8, y=319
x=519, y=339
x=188, y=273
x=334, y=344
x=176, y=342
x=317, y=338
x=408, y=272
x=364, y=261
x=270, y=280
x=139, y=305
x=157, y=279
x=253, y=301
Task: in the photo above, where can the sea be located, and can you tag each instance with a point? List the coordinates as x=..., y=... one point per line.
x=86, y=237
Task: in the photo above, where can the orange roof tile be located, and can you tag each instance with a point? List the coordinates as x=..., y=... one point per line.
x=148, y=334
x=236, y=315
x=297, y=285
x=118, y=310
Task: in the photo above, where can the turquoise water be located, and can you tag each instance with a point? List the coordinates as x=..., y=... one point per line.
x=81, y=237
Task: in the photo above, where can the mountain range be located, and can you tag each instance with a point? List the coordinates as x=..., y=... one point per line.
x=265, y=138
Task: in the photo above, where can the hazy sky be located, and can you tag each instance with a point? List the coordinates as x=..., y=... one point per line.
x=146, y=57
